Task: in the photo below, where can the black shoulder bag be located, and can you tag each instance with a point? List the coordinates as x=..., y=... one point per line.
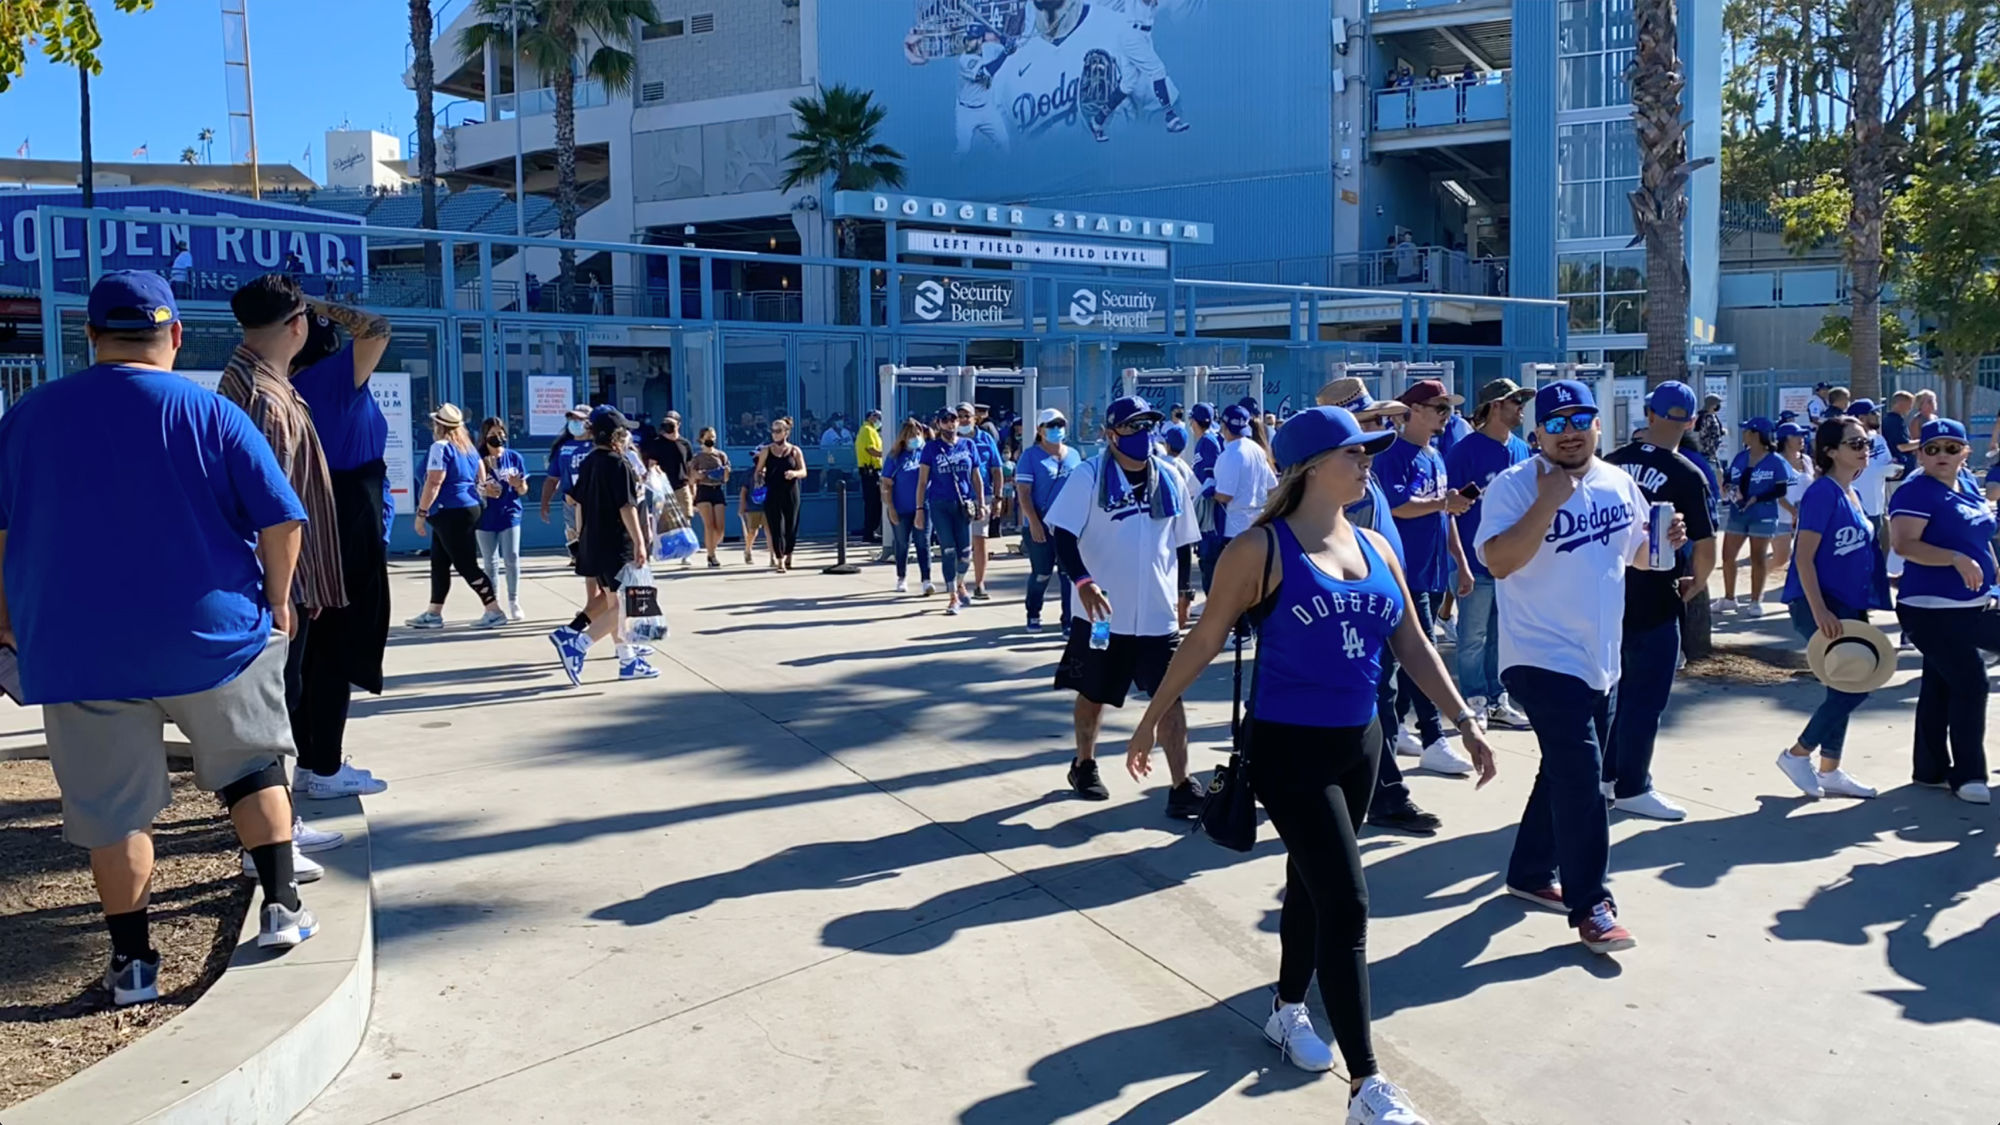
x=1229, y=813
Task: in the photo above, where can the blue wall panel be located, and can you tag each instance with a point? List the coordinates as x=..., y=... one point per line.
x=1255, y=219
x=1532, y=271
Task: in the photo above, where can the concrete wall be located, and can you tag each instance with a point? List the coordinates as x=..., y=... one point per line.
x=1777, y=338
x=755, y=46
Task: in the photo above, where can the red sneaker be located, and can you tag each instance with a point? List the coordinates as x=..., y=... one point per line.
x=1548, y=898
x=1601, y=932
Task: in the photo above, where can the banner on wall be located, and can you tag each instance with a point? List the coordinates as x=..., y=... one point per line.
x=548, y=401
x=959, y=300
x=392, y=394
x=1114, y=308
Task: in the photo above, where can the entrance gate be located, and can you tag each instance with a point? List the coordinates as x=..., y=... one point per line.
x=1613, y=426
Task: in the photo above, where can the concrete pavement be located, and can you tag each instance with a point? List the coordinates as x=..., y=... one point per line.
x=824, y=870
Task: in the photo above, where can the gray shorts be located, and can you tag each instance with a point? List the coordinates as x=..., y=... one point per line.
x=110, y=756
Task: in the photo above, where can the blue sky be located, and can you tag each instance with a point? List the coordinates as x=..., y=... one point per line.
x=315, y=64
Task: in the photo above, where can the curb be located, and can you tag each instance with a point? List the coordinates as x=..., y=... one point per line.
x=268, y=1037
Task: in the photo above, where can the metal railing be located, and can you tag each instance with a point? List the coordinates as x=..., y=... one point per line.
x=1388, y=7
x=1428, y=105
x=534, y=103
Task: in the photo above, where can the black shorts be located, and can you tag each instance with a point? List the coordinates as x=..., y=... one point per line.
x=1105, y=675
x=709, y=494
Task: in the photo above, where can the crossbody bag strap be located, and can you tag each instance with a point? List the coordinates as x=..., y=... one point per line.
x=1238, y=730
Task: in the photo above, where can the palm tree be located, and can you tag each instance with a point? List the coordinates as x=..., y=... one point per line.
x=423, y=76
x=836, y=137
x=190, y=156
x=1659, y=206
x=553, y=34
x=207, y=139
x=1867, y=166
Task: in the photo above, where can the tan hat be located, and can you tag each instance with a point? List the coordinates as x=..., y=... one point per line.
x=448, y=415
x=1860, y=660
x=1351, y=395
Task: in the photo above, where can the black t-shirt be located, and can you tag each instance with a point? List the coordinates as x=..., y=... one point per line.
x=671, y=454
x=604, y=486
x=1652, y=597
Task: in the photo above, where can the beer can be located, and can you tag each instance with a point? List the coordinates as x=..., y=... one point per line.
x=1659, y=524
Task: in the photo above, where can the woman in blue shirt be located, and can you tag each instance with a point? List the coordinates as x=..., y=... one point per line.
x=1792, y=441
x=1944, y=530
x=953, y=488
x=1832, y=579
x=900, y=503
x=499, y=532
x=1757, y=478
x=454, y=478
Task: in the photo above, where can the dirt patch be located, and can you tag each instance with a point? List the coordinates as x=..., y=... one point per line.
x=1740, y=666
x=57, y=1018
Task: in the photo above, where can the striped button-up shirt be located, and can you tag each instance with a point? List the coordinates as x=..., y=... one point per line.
x=249, y=381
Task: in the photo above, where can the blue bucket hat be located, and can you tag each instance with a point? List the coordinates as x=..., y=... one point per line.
x=1309, y=433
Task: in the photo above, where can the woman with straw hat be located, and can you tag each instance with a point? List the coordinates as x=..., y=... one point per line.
x=454, y=480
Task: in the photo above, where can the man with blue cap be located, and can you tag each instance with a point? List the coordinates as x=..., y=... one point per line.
x=1204, y=450
x=207, y=652
x=1558, y=534
x=1471, y=465
x=1655, y=601
x=1125, y=531
x=1816, y=406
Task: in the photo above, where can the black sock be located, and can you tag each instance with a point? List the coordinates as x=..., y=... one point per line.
x=580, y=622
x=274, y=872
x=129, y=937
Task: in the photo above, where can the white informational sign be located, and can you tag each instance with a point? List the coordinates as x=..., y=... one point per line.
x=209, y=380
x=548, y=401
x=392, y=394
x=1001, y=246
x=1793, y=398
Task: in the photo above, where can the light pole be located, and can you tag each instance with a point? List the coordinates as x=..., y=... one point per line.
x=518, y=10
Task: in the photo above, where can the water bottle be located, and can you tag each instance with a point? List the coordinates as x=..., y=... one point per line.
x=1100, y=634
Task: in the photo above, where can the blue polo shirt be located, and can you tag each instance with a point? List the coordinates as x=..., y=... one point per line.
x=1408, y=471
x=901, y=471
x=1456, y=429
x=565, y=461
x=198, y=481
x=1477, y=459
x=986, y=448
x=952, y=468
x=1896, y=431
x=1845, y=559
x=1044, y=473
x=1959, y=521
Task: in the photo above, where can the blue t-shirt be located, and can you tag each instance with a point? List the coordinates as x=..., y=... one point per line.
x=901, y=469
x=1959, y=521
x=352, y=430
x=461, y=476
x=1409, y=471
x=1845, y=560
x=952, y=468
x=1896, y=431
x=1477, y=459
x=205, y=482
x=1044, y=473
x=1206, y=450
x=505, y=511
x=1773, y=474
x=1456, y=429
x=987, y=450
x=1372, y=510
x=564, y=463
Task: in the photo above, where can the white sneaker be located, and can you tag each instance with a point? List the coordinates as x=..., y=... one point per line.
x=303, y=870
x=1503, y=713
x=1650, y=804
x=902, y=586
x=514, y=612
x=1840, y=783
x=1382, y=1102
x=1290, y=1030
x=1609, y=789
x=426, y=620
x=1974, y=793
x=1407, y=744
x=309, y=839
x=349, y=782
x=930, y=588
x=1447, y=630
x=1442, y=757
x=1476, y=704
x=1802, y=773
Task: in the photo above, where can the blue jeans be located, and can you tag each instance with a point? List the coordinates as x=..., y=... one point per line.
x=1408, y=697
x=1479, y=641
x=1042, y=566
x=954, y=536
x=1565, y=832
x=1205, y=553
x=1826, y=731
x=902, y=537
x=1645, y=679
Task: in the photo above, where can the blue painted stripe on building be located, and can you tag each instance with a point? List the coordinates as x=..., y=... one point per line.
x=1532, y=210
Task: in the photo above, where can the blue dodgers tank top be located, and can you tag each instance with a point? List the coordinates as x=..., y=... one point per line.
x=1319, y=650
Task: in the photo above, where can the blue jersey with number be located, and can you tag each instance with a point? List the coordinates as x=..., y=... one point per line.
x=1319, y=651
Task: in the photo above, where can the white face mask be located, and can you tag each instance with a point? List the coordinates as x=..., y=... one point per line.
x=964, y=430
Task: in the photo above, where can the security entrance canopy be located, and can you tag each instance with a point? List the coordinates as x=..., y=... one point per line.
x=920, y=391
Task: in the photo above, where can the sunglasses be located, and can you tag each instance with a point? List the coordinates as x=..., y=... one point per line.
x=1579, y=420
x=1943, y=449
x=1859, y=445
x=1142, y=426
x=1441, y=409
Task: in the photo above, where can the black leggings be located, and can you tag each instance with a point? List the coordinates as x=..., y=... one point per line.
x=781, y=515
x=453, y=544
x=1315, y=782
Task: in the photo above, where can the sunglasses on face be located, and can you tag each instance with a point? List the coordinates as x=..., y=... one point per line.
x=1857, y=444
x=1142, y=426
x=1943, y=449
x=1579, y=420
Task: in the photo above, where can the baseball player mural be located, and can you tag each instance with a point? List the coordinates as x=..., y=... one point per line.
x=1027, y=67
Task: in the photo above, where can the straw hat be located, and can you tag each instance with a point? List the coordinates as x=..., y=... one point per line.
x=448, y=416
x=1859, y=661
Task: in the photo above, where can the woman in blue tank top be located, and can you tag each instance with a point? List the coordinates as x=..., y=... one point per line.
x=1326, y=597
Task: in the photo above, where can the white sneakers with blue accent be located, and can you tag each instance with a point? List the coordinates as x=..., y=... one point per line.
x=283, y=928
x=132, y=980
x=571, y=646
x=636, y=669
x=1382, y=1102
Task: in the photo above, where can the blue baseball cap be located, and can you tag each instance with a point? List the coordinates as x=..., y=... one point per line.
x=1130, y=409
x=1176, y=440
x=1822, y=386
x=1943, y=428
x=1792, y=429
x=1309, y=433
x=127, y=299
x=1236, y=418
x=1760, y=424
x=1249, y=404
x=1787, y=415
x=1203, y=413
x=1673, y=401
x=1861, y=407
x=1563, y=394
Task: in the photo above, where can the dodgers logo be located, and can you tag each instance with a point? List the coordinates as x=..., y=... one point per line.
x=1563, y=395
x=1570, y=530
x=1083, y=306
x=1851, y=538
x=928, y=303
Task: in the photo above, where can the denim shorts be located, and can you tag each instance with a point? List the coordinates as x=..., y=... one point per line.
x=1737, y=522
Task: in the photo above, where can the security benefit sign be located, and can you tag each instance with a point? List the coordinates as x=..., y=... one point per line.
x=960, y=300
x=1113, y=308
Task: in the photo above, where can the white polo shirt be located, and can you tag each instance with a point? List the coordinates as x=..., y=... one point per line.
x=1128, y=553
x=1243, y=473
x=1565, y=610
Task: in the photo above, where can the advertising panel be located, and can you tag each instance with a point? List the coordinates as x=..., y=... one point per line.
x=1022, y=99
x=961, y=301
x=1112, y=308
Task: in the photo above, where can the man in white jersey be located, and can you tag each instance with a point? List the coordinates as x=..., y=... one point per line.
x=1554, y=525
x=1067, y=71
x=978, y=114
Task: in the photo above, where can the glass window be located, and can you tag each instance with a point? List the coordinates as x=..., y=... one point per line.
x=1625, y=270
x=828, y=370
x=1621, y=149
x=1579, y=273
x=1586, y=315
x=1582, y=82
x=1625, y=312
x=1579, y=211
x=1618, y=207
x=1579, y=152
x=753, y=386
x=1579, y=26
x=1617, y=87
x=1594, y=41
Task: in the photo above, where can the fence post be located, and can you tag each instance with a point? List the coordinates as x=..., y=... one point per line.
x=840, y=563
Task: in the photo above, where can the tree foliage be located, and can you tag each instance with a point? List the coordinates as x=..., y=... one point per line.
x=65, y=31
x=837, y=140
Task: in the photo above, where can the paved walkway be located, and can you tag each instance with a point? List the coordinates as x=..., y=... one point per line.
x=823, y=870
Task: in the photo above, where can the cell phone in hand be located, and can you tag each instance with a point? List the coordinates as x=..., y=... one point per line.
x=1470, y=492
x=10, y=673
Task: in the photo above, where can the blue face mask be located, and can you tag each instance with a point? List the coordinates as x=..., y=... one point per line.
x=575, y=428
x=1056, y=434
x=1137, y=446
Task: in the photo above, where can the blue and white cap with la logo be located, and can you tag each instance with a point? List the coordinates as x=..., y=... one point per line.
x=1563, y=394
